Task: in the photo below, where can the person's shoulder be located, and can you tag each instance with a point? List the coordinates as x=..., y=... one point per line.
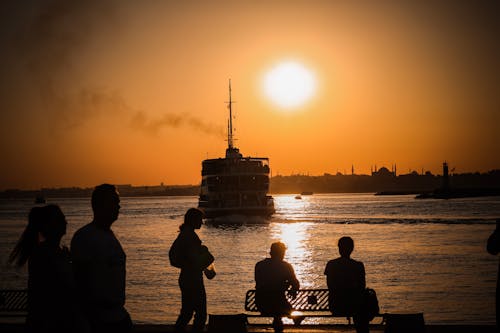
x=82, y=235
x=85, y=230
x=288, y=267
x=40, y=251
x=45, y=254
x=262, y=262
x=335, y=261
x=358, y=263
x=188, y=237
x=187, y=233
x=265, y=260
x=331, y=264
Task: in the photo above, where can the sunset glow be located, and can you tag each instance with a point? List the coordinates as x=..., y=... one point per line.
x=289, y=85
x=130, y=92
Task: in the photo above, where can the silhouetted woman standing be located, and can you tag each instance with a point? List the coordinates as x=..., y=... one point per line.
x=51, y=287
x=193, y=259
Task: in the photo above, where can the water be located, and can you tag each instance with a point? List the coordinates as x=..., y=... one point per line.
x=420, y=255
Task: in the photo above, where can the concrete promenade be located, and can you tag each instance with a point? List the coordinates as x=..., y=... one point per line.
x=257, y=328
x=334, y=329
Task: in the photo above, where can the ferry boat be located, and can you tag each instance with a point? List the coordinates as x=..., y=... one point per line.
x=235, y=185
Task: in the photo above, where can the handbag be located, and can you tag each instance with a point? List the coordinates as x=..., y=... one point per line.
x=371, y=303
x=205, y=258
x=174, y=254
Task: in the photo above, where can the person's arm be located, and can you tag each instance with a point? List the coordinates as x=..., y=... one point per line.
x=64, y=274
x=81, y=266
x=257, y=276
x=292, y=280
x=329, y=276
x=493, y=245
x=362, y=276
x=79, y=261
x=205, y=258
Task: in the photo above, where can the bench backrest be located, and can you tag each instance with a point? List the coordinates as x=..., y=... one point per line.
x=13, y=302
x=304, y=300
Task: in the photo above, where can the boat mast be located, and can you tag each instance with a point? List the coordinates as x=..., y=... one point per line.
x=231, y=151
x=230, y=124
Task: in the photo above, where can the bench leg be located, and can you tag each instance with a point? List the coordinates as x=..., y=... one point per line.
x=298, y=320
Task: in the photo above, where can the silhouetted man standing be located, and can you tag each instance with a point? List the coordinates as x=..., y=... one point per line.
x=493, y=247
x=99, y=263
x=346, y=282
x=273, y=277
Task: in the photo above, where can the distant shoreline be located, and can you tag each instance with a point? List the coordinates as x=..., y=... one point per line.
x=383, y=183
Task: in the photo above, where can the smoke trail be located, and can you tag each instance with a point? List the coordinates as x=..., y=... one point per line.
x=141, y=122
x=73, y=112
x=49, y=45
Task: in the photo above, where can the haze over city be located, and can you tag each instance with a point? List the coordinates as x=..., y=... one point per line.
x=131, y=92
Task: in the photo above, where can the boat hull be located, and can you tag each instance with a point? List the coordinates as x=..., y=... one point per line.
x=212, y=213
x=235, y=185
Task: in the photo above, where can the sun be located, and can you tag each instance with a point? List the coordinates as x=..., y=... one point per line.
x=289, y=84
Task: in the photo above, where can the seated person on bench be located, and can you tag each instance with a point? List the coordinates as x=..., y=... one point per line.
x=273, y=277
x=345, y=278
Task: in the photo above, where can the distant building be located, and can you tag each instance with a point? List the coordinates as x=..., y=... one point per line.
x=383, y=172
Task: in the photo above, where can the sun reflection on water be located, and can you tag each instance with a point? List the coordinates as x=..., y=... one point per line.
x=296, y=236
x=290, y=209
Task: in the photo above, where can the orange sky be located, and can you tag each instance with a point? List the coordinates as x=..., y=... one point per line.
x=133, y=92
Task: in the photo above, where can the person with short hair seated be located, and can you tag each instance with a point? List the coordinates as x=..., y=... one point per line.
x=273, y=277
x=346, y=282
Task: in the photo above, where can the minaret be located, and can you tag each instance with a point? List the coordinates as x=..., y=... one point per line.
x=446, y=179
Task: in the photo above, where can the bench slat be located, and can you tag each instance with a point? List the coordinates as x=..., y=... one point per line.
x=305, y=303
x=304, y=300
x=13, y=301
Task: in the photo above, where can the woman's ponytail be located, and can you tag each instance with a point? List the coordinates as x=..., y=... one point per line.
x=29, y=238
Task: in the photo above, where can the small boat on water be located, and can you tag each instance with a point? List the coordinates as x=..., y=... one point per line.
x=40, y=199
x=235, y=185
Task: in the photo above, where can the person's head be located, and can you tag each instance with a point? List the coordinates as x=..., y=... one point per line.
x=346, y=246
x=35, y=216
x=278, y=250
x=53, y=225
x=45, y=224
x=193, y=218
x=105, y=204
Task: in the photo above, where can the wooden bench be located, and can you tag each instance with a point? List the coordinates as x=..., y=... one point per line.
x=305, y=303
x=13, y=303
